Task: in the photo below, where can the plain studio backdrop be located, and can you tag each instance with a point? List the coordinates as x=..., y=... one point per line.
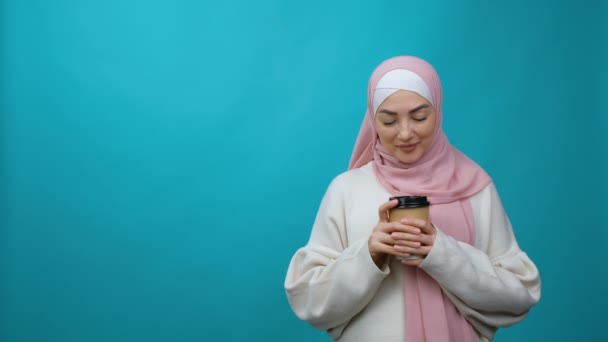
x=162, y=161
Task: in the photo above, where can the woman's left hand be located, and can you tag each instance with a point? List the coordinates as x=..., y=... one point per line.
x=420, y=244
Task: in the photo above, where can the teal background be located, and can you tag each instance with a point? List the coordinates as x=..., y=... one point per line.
x=161, y=161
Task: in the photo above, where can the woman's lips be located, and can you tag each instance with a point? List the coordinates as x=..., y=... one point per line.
x=408, y=147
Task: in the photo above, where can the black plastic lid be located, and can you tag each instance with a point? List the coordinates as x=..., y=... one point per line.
x=411, y=201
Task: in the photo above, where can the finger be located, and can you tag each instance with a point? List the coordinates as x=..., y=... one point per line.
x=384, y=208
x=405, y=249
x=378, y=247
x=422, y=238
x=385, y=228
x=406, y=243
x=388, y=239
x=422, y=224
x=406, y=236
x=422, y=250
x=383, y=238
x=402, y=228
x=427, y=240
x=429, y=229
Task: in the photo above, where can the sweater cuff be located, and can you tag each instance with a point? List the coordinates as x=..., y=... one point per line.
x=436, y=259
x=364, y=257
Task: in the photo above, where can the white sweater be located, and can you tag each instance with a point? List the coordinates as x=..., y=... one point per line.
x=333, y=284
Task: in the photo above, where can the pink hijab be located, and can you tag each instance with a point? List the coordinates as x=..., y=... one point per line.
x=448, y=178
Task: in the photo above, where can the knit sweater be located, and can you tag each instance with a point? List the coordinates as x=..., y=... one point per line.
x=333, y=284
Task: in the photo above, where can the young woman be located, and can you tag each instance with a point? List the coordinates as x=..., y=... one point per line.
x=472, y=278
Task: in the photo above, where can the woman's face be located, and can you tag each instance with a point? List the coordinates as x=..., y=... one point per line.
x=405, y=123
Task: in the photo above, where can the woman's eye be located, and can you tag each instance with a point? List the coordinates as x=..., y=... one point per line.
x=389, y=123
x=420, y=119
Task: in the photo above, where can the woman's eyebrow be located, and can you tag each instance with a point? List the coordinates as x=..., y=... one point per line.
x=422, y=106
x=386, y=111
x=412, y=111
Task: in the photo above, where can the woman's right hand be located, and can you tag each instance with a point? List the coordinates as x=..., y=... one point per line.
x=380, y=242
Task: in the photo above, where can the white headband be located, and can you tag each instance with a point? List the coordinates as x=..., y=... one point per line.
x=400, y=79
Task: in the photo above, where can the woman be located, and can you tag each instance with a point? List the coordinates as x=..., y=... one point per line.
x=472, y=277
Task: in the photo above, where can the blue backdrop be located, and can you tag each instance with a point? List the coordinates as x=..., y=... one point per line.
x=162, y=161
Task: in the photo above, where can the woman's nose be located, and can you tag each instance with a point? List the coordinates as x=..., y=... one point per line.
x=405, y=131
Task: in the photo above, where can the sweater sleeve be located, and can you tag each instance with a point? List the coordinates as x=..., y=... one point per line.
x=330, y=280
x=493, y=284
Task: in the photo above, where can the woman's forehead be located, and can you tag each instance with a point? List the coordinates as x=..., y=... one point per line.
x=404, y=101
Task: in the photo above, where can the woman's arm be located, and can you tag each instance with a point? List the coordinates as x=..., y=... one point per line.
x=332, y=279
x=493, y=284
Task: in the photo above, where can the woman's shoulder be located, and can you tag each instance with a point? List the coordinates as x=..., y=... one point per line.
x=354, y=176
x=353, y=180
x=487, y=195
x=356, y=184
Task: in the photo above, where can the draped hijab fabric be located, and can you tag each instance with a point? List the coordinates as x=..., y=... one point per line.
x=448, y=178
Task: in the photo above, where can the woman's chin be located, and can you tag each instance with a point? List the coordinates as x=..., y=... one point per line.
x=408, y=158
